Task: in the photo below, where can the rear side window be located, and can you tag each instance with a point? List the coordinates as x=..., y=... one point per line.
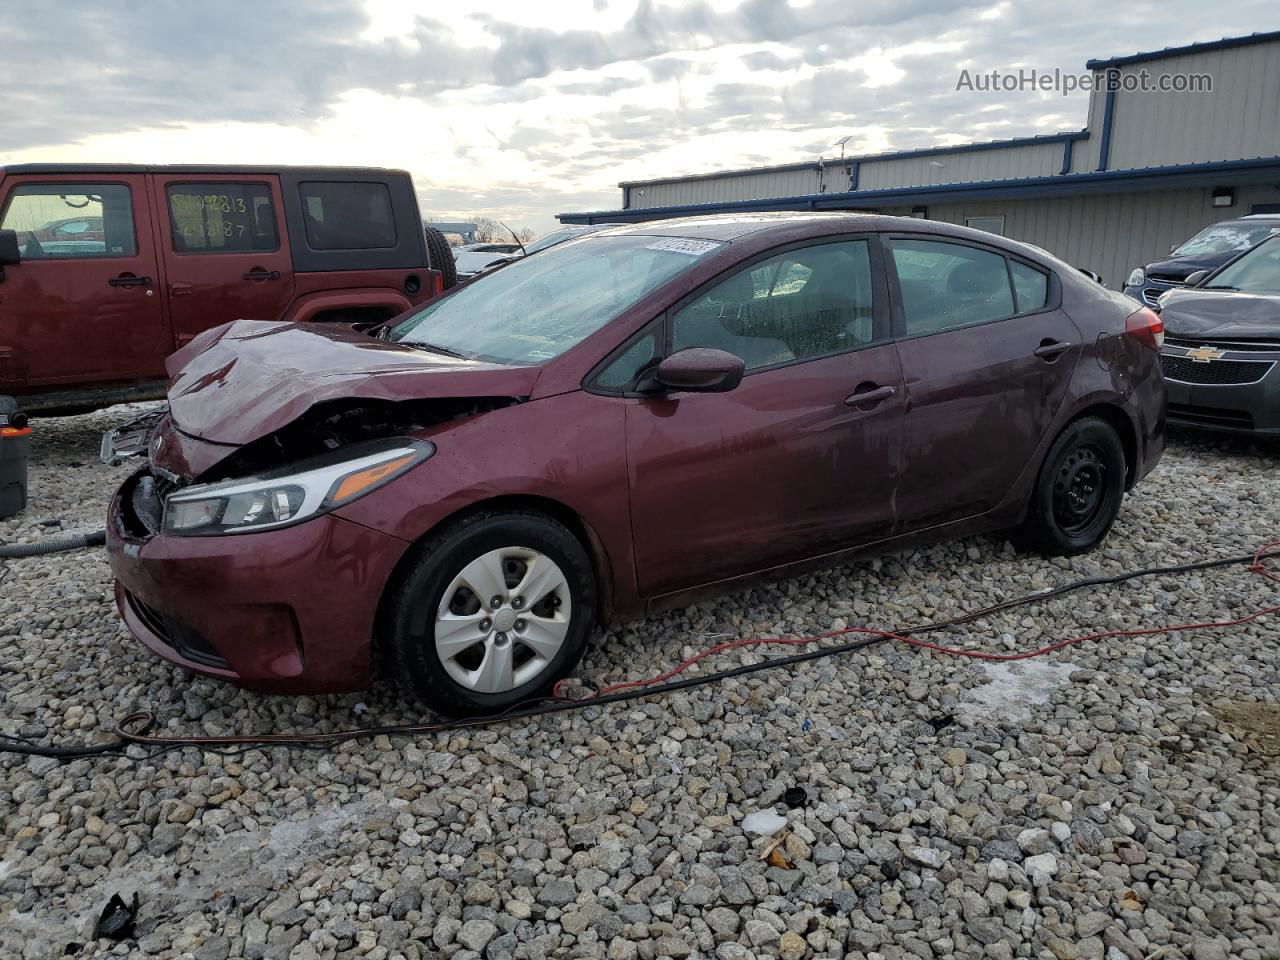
x=1030, y=285
x=949, y=285
x=347, y=216
x=69, y=221
x=221, y=217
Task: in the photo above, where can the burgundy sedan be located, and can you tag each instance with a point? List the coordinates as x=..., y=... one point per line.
x=620, y=424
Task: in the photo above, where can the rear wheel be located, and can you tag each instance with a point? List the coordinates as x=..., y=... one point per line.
x=494, y=611
x=1078, y=492
x=440, y=257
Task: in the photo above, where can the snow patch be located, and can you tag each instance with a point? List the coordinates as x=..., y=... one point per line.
x=1013, y=689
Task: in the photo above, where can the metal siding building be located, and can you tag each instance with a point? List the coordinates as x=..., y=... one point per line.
x=1138, y=179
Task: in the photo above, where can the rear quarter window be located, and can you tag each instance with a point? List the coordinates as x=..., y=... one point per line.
x=347, y=215
x=1030, y=286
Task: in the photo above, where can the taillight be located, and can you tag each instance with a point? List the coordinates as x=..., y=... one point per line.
x=1146, y=327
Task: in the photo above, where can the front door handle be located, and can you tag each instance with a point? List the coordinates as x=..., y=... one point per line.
x=1051, y=349
x=259, y=274
x=129, y=280
x=861, y=398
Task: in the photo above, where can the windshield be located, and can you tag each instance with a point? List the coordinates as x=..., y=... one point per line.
x=551, y=239
x=1222, y=237
x=1258, y=271
x=536, y=308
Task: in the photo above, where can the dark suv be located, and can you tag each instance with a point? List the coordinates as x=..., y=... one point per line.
x=107, y=269
x=1207, y=250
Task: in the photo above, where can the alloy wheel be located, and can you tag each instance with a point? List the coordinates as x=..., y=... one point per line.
x=502, y=620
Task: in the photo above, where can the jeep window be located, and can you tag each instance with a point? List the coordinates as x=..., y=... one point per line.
x=535, y=308
x=347, y=216
x=221, y=217
x=66, y=221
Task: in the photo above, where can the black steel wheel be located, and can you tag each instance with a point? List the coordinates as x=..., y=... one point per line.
x=1078, y=492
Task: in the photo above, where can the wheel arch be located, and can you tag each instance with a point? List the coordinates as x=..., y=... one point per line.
x=562, y=513
x=1124, y=427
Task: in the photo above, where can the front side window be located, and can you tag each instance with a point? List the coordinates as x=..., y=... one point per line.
x=347, y=216
x=808, y=302
x=221, y=217
x=949, y=285
x=1258, y=271
x=536, y=308
x=67, y=221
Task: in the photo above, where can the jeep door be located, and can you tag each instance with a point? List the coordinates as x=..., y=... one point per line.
x=80, y=308
x=226, y=257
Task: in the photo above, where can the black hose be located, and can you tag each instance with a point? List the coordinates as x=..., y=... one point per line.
x=74, y=541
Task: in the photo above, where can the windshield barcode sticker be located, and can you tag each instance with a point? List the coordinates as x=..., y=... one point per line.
x=694, y=248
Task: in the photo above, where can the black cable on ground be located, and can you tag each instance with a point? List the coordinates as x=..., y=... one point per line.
x=133, y=729
x=74, y=541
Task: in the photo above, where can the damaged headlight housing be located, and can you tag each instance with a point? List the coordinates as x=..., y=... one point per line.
x=284, y=497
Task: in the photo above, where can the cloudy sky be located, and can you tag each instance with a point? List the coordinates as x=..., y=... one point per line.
x=525, y=108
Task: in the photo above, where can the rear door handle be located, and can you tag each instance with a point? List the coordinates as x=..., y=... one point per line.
x=129, y=280
x=180, y=289
x=261, y=274
x=873, y=396
x=1050, y=349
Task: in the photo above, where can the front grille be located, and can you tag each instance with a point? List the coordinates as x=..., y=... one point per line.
x=1214, y=372
x=1211, y=416
x=1151, y=295
x=185, y=641
x=1232, y=346
x=142, y=504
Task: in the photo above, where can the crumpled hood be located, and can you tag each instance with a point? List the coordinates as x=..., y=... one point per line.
x=1221, y=315
x=246, y=379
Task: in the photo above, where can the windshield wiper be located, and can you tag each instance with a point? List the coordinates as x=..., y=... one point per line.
x=433, y=348
x=1219, y=287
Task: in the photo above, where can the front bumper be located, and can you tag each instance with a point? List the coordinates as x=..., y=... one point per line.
x=1246, y=409
x=281, y=611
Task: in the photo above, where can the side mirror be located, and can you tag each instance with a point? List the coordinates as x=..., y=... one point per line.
x=1174, y=248
x=1197, y=278
x=1095, y=277
x=10, y=252
x=696, y=370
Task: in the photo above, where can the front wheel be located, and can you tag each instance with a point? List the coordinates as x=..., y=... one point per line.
x=494, y=610
x=1078, y=492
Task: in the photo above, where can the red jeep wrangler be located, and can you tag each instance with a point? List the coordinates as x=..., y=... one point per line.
x=107, y=269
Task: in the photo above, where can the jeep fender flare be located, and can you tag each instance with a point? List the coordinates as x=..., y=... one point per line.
x=310, y=306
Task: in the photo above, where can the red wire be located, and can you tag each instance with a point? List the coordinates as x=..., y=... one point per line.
x=1256, y=566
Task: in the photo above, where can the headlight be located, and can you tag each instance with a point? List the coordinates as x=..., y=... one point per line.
x=285, y=497
x=1135, y=278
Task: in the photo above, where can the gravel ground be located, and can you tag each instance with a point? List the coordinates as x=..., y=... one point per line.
x=1113, y=800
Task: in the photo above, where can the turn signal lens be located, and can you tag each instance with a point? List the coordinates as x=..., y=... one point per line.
x=1146, y=327
x=355, y=484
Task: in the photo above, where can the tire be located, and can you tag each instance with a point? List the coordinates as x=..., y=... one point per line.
x=440, y=257
x=457, y=678
x=1078, y=492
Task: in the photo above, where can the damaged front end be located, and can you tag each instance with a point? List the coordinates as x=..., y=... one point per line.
x=334, y=453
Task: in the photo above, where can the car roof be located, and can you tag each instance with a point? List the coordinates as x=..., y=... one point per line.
x=188, y=168
x=731, y=226
x=1261, y=216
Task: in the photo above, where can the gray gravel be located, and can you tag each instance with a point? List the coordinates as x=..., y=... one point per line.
x=1091, y=804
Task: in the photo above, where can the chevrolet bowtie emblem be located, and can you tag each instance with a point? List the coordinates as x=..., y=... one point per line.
x=1204, y=354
